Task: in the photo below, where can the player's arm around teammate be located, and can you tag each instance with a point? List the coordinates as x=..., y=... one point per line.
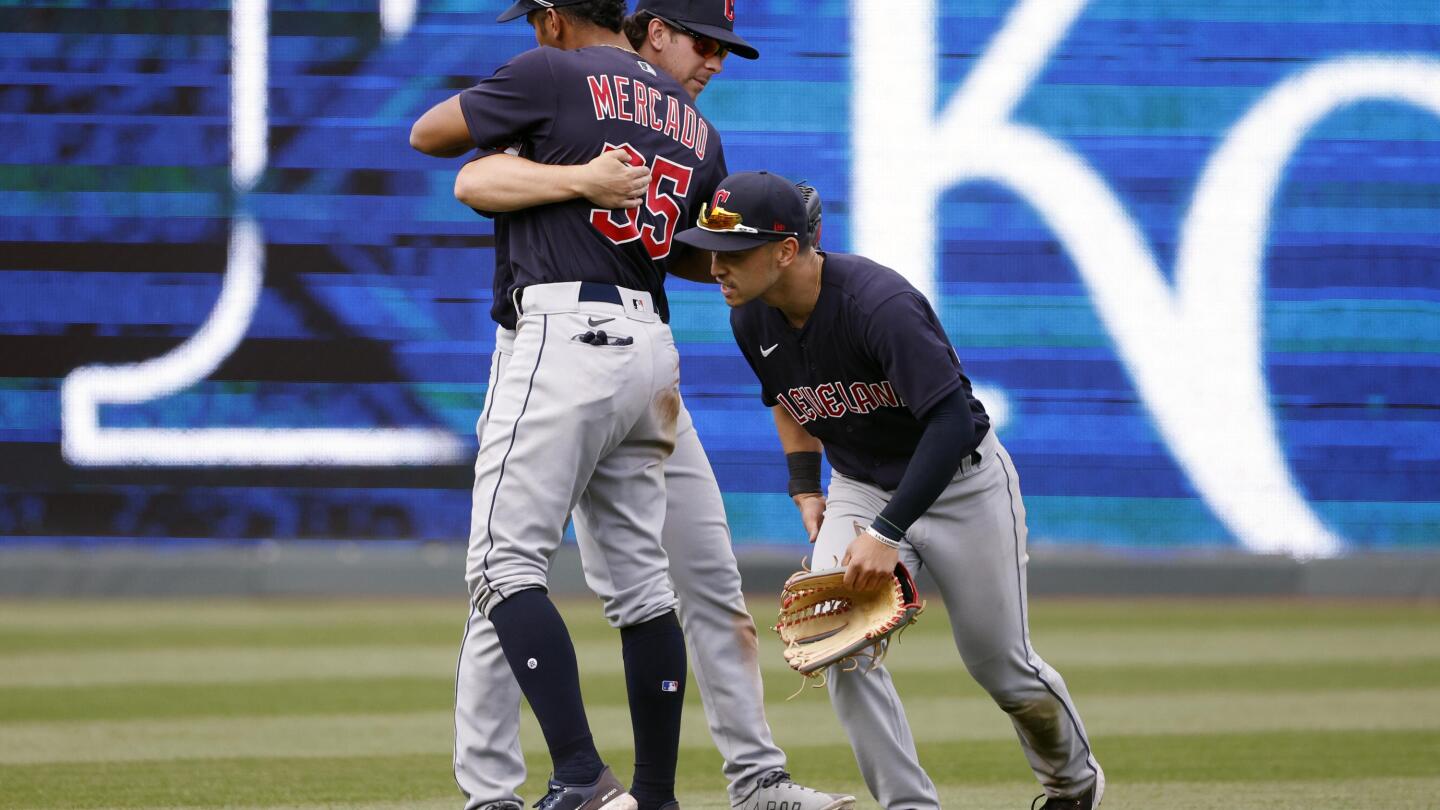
x=688, y=40
x=853, y=354
x=501, y=182
x=580, y=418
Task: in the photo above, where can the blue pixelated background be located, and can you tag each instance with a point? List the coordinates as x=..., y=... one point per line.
x=117, y=201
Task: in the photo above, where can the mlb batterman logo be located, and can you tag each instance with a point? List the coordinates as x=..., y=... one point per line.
x=669, y=686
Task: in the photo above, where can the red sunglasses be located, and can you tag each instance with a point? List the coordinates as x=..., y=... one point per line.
x=705, y=46
x=708, y=46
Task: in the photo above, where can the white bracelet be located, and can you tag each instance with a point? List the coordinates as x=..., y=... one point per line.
x=882, y=539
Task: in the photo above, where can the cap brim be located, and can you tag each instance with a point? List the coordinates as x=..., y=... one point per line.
x=731, y=40
x=520, y=9
x=728, y=242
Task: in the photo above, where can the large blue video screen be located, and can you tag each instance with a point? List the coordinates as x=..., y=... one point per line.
x=1189, y=253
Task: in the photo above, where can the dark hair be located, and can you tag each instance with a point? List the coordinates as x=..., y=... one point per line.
x=812, y=214
x=607, y=14
x=636, y=28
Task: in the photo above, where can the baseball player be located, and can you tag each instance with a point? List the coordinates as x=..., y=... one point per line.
x=689, y=40
x=852, y=360
x=582, y=413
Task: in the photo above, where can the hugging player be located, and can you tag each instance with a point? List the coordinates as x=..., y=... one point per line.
x=687, y=41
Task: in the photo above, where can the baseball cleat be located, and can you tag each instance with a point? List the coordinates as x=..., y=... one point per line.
x=605, y=793
x=776, y=790
x=501, y=806
x=1085, y=801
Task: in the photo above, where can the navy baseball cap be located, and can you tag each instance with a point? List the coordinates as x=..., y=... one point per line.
x=523, y=7
x=747, y=210
x=708, y=18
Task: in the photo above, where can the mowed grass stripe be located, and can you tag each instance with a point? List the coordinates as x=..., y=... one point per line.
x=599, y=652
x=1300, y=677
x=129, y=614
x=1324, y=758
x=103, y=626
x=797, y=723
x=226, y=666
x=1186, y=615
x=1281, y=795
x=583, y=613
x=138, y=639
x=1252, y=757
x=419, y=694
x=1398, y=792
x=1228, y=646
x=90, y=626
x=263, y=699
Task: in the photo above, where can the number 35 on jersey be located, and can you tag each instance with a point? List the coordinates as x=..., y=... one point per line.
x=669, y=184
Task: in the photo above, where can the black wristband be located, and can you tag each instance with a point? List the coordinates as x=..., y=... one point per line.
x=804, y=472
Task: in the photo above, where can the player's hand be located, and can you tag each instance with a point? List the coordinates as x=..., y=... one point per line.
x=812, y=512
x=610, y=181
x=868, y=562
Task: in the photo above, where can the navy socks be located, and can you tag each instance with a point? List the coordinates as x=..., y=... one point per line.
x=540, y=653
x=537, y=645
x=655, y=680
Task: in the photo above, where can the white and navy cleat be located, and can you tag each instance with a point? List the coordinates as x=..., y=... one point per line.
x=606, y=793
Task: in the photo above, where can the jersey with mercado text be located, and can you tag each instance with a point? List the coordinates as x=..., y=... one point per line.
x=565, y=108
x=863, y=371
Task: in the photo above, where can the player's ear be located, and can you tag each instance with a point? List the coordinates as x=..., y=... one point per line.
x=551, y=26
x=787, y=250
x=657, y=33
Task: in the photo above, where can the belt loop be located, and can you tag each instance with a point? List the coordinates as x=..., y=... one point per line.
x=515, y=296
x=970, y=462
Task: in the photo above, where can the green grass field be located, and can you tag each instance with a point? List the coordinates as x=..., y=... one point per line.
x=1190, y=704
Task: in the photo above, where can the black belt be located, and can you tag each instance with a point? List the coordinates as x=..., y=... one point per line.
x=610, y=294
x=601, y=293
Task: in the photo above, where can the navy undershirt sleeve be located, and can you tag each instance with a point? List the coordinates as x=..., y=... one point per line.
x=948, y=438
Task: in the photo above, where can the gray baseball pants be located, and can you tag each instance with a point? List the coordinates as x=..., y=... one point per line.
x=573, y=421
x=719, y=633
x=972, y=541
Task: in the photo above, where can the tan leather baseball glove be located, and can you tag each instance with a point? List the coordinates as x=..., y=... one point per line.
x=823, y=622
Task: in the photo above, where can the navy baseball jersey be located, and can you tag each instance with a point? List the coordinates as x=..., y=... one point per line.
x=565, y=108
x=869, y=363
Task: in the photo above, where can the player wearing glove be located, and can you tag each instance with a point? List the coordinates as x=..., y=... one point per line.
x=853, y=361
x=824, y=622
